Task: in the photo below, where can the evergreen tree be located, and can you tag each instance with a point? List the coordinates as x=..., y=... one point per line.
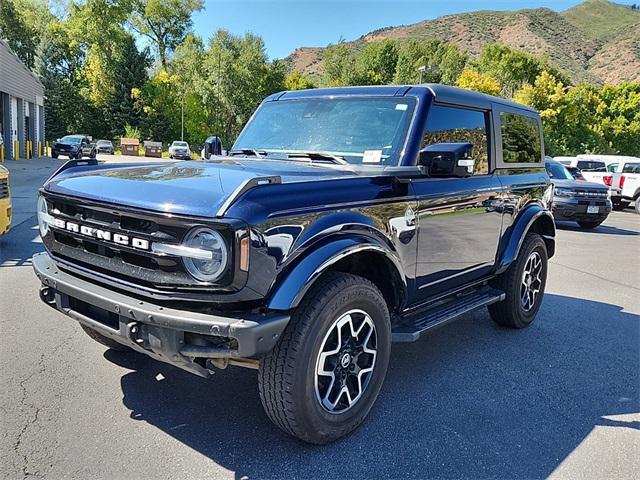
x=130, y=72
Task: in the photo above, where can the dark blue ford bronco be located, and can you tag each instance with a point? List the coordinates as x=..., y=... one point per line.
x=342, y=220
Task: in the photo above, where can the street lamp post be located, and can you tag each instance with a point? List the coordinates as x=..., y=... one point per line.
x=182, y=123
x=421, y=69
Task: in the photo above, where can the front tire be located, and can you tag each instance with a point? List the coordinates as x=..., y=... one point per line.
x=106, y=341
x=320, y=381
x=638, y=205
x=523, y=283
x=54, y=154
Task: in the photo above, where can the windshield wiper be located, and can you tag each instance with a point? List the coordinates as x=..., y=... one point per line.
x=319, y=156
x=248, y=151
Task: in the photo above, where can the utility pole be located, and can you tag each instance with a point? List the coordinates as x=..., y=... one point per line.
x=182, y=124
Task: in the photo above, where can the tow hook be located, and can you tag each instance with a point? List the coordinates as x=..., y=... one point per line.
x=47, y=295
x=133, y=330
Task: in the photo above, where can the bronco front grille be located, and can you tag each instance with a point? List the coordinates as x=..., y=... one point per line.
x=4, y=187
x=591, y=193
x=142, y=268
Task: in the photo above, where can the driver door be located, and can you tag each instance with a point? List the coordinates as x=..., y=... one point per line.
x=459, y=219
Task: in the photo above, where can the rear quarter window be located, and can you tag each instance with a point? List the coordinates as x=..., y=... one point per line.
x=631, y=168
x=520, y=138
x=591, y=166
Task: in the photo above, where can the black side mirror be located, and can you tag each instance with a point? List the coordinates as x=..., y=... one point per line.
x=447, y=160
x=212, y=146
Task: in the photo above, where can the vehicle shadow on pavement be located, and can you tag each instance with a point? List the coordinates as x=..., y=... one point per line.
x=22, y=242
x=470, y=400
x=606, y=229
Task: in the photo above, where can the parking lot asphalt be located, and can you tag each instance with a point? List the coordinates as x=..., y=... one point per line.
x=560, y=399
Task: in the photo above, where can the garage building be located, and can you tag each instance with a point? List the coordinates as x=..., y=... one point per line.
x=21, y=107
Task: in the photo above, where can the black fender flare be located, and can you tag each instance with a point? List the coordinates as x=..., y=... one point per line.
x=532, y=218
x=289, y=291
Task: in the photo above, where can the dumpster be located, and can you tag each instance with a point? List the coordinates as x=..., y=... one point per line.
x=129, y=146
x=153, y=149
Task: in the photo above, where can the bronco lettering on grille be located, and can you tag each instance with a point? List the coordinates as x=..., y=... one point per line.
x=105, y=235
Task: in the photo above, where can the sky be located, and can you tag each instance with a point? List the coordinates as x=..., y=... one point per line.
x=287, y=24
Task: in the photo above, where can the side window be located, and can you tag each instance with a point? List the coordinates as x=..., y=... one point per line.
x=459, y=125
x=520, y=139
x=612, y=167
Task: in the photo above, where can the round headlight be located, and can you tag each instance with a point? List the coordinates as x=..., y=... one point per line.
x=43, y=213
x=206, y=240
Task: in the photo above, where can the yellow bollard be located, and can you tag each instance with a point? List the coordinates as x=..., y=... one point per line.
x=16, y=150
x=2, y=153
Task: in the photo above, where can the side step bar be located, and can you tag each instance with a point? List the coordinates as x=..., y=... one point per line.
x=412, y=327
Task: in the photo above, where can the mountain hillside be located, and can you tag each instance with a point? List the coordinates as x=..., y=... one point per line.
x=596, y=41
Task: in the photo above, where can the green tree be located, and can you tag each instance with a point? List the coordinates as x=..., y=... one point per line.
x=472, y=80
x=159, y=101
x=511, y=67
x=375, y=64
x=130, y=73
x=21, y=37
x=338, y=64
x=297, y=81
x=238, y=76
x=164, y=22
x=443, y=62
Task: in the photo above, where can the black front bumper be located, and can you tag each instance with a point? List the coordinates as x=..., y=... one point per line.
x=572, y=210
x=182, y=338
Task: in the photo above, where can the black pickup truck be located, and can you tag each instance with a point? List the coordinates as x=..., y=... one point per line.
x=341, y=221
x=73, y=146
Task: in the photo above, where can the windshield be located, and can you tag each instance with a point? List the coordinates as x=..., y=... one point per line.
x=104, y=142
x=557, y=171
x=180, y=144
x=360, y=130
x=70, y=139
x=591, y=166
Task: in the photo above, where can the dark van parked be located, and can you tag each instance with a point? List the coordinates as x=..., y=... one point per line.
x=342, y=220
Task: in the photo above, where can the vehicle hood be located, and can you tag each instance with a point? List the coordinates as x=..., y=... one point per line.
x=192, y=188
x=578, y=184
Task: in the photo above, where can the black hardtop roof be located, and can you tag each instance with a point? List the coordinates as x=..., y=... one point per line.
x=441, y=93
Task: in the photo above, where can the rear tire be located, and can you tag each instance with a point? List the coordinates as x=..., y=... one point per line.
x=515, y=311
x=589, y=225
x=302, y=381
x=638, y=205
x=106, y=341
